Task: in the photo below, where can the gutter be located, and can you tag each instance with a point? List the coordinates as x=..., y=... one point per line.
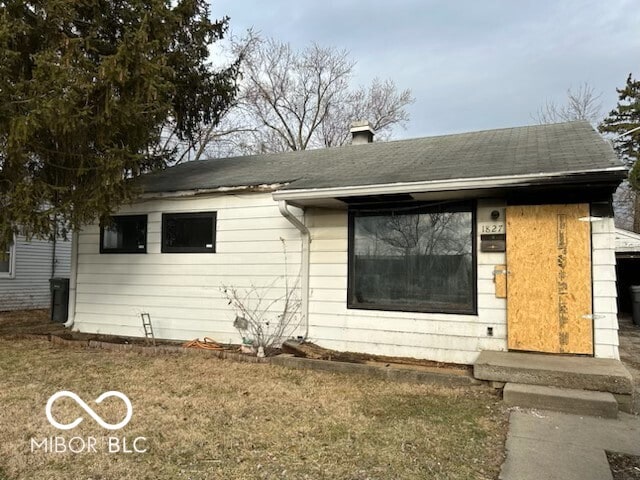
x=73, y=280
x=283, y=206
x=437, y=185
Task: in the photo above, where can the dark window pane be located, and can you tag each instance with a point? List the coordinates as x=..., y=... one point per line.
x=125, y=234
x=413, y=261
x=5, y=258
x=186, y=232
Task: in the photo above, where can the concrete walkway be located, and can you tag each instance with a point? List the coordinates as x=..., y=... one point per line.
x=549, y=445
x=630, y=353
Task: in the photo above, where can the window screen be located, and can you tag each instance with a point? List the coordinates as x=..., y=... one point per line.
x=124, y=234
x=412, y=259
x=189, y=232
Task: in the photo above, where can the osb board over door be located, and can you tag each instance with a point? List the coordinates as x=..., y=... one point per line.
x=549, y=279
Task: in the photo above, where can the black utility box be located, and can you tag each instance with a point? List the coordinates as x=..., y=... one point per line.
x=59, y=299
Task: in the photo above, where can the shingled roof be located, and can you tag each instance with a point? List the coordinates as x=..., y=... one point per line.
x=562, y=148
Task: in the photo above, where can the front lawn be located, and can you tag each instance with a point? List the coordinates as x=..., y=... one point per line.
x=205, y=418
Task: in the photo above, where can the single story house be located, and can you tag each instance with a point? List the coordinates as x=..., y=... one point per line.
x=435, y=248
x=25, y=269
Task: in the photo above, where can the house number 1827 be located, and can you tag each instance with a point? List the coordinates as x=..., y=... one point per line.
x=492, y=228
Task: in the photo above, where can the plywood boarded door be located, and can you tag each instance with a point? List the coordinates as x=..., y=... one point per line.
x=549, y=280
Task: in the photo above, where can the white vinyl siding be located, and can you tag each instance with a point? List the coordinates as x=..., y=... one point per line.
x=28, y=287
x=182, y=292
x=605, y=309
x=442, y=337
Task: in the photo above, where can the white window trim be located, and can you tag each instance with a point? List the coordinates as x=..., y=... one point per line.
x=12, y=261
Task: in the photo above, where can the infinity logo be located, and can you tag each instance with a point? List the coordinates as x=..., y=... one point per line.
x=89, y=410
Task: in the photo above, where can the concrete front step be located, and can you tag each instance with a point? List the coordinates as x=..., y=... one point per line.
x=581, y=373
x=568, y=400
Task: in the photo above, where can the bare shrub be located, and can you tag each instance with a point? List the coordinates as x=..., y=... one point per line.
x=263, y=319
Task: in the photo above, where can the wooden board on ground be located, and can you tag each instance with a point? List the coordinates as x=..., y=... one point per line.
x=549, y=280
x=316, y=352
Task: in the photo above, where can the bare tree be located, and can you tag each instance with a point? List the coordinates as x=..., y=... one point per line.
x=581, y=104
x=625, y=204
x=297, y=100
x=293, y=100
x=381, y=104
x=291, y=94
x=227, y=135
x=231, y=136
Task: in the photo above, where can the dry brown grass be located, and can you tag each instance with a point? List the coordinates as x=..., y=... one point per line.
x=24, y=318
x=205, y=418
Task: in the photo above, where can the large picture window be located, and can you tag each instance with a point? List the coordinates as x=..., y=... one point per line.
x=413, y=258
x=124, y=234
x=189, y=232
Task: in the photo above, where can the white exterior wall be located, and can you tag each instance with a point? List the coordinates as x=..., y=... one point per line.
x=433, y=336
x=28, y=287
x=440, y=337
x=181, y=291
x=605, y=308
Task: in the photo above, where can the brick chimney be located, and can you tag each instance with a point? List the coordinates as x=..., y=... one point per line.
x=361, y=132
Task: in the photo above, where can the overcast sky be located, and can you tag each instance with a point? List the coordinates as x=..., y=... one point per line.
x=470, y=64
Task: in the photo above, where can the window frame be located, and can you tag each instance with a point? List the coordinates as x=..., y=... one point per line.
x=208, y=214
x=12, y=261
x=127, y=251
x=417, y=207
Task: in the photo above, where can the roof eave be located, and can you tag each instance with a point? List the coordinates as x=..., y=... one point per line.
x=610, y=174
x=264, y=188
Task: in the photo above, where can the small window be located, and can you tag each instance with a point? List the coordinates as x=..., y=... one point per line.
x=7, y=260
x=189, y=232
x=415, y=258
x=125, y=234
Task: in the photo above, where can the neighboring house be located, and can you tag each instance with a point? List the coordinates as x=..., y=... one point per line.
x=627, y=266
x=434, y=248
x=25, y=269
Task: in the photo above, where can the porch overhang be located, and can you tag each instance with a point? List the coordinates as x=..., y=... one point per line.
x=601, y=180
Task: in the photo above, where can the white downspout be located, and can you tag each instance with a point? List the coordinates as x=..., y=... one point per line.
x=73, y=280
x=283, y=206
